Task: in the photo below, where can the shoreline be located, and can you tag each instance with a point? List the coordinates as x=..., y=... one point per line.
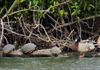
x=46, y=53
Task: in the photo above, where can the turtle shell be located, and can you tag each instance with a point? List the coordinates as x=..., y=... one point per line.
x=55, y=50
x=8, y=48
x=29, y=47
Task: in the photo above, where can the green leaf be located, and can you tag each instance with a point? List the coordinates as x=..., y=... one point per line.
x=85, y=6
x=73, y=13
x=21, y=1
x=92, y=6
x=35, y=2
x=61, y=12
x=51, y=8
x=66, y=13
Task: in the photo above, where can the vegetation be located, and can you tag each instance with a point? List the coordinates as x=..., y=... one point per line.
x=46, y=21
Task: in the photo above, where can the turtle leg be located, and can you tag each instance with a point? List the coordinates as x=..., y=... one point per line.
x=82, y=55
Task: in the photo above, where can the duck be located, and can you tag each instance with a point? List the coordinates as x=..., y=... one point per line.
x=98, y=42
x=84, y=46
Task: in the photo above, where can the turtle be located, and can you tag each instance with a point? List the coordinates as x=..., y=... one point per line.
x=8, y=48
x=55, y=50
x=28, y=48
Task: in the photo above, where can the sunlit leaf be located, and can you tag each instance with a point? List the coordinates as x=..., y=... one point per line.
x=92, y=6
x=61, y=12
x=21, y=1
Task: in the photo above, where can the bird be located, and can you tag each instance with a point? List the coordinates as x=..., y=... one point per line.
x=84, y=46
x=98, y=42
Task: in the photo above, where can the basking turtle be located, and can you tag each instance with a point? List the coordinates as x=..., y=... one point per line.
x=8, y=48
x=55, y=50
x=28, y=48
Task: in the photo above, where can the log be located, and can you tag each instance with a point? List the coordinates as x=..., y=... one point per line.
x=18, y=53
x=39, y=53
x=45, y=53
x=1, y=53
x=42, y=52
x=14, y=53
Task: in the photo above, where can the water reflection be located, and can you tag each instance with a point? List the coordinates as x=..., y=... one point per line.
x=49, y=63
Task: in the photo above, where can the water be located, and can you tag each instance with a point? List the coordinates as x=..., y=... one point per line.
x=49, y=63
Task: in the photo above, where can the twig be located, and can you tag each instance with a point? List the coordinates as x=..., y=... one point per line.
x=11, y=8
x=6, y=39
x=13, y=32
x=70, y=33
x=71, y=23
x=1, y=38
x=46, y=33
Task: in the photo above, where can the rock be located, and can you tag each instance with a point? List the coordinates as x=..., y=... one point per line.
x=8, y=48
x=55, y=50
x=28, y=48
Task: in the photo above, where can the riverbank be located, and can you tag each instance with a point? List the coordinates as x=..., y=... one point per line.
x=47, y=53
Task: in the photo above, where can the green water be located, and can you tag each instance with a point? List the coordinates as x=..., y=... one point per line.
x=49, y=63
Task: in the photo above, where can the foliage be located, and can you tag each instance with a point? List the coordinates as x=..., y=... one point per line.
x=80, y=8
x=48, y=12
